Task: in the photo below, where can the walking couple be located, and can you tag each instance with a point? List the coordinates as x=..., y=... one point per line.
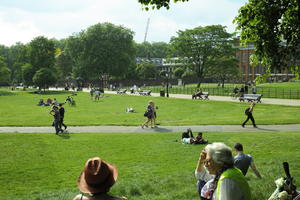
x=150, y=114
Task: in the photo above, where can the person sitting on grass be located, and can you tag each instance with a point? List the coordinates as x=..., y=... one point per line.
x=188, y=138
x=96, y=179
x=244, y=161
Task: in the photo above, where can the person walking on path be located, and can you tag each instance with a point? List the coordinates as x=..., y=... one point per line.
x=248, y=112
x=62, y=116
x=150, y=115
x=244, y=161
x=56, y=122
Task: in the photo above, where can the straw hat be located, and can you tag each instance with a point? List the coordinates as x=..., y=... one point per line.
x=97, y=176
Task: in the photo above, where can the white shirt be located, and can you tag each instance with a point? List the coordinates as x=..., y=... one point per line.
x=229, y=189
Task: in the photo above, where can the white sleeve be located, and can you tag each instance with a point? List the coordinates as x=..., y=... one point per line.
x=230, y=190
x=203, y=175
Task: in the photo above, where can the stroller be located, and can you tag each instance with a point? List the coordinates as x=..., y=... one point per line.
x=286, y=190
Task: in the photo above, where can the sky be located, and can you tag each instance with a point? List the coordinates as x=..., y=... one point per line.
x=23, y=20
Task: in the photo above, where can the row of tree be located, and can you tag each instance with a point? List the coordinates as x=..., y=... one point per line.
x=272, y=26
x=105, y=48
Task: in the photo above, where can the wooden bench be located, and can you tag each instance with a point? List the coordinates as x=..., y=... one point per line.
x=251, y=98
x=203, y=95
x=145, y=92
x=121, y=91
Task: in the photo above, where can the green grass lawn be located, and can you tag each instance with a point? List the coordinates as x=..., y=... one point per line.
x=151, y=165
x=19, y=109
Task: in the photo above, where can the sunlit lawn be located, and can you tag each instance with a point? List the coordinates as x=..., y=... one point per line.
x=151, y=165
x=20, y=109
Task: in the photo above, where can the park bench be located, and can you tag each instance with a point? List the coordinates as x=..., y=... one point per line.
x=145, y=92
x=203, y=95
x=251, y=98
x=121, y=91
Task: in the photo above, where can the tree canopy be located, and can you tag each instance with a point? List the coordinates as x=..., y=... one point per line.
x=157, y=4
x=274, y=28
x=102, y=48
x=199, y=48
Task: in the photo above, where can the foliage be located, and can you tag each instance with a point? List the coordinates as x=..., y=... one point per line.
x=157, y=4
x=4, y=71
x=198, y=48
x=146, y=70
x=63, y=64
x=225, y=65
x=44, y=77
x=274, y=28
x=27, y=74
x=50, y=165
x=102, y=48
x=152, y=50
x=42, y=52
x=178, y=72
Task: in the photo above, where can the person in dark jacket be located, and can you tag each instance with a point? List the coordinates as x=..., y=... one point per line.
x=62, y=115
x=248, y=112
x=56, y=122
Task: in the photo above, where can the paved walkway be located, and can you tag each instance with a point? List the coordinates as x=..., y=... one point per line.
x=287, y=102
x=138, y=129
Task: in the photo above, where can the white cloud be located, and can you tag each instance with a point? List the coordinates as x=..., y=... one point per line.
x=61, y=18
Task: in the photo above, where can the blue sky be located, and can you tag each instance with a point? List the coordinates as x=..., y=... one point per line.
x=22, y=20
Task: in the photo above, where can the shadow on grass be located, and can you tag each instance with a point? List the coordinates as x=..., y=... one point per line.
x=64, y=135
x=7, y=93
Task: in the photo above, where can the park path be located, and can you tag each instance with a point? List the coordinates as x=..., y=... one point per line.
x=287, y=102
x=138, y=129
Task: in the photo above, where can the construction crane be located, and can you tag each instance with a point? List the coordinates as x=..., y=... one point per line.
x=146, y=32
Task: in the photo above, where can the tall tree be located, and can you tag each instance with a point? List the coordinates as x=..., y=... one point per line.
x=199, y=47
x=274, y=28
x=43, y=78
x=103, y=48
x=41, y=52
x=4, y=71
x=146, y=70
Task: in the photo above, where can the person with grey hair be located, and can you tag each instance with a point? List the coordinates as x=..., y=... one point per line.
x=223, y=180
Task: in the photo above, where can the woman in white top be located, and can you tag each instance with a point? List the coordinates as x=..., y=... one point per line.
x=223, y=180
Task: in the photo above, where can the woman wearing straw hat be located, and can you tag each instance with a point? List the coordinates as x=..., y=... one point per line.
x=96, y=179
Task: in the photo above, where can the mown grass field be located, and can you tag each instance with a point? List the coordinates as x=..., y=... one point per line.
x=151, y=165
x=20, y=109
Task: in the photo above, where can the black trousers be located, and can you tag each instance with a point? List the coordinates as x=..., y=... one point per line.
x=57, y=126
x=61, y=123
x=249, y=116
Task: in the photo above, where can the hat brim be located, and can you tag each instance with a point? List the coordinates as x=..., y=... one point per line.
x=99, y=188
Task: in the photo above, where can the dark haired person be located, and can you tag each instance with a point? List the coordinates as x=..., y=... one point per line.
x=248, y=112
x=62, y=116
x=244, y=161
x=56, y=122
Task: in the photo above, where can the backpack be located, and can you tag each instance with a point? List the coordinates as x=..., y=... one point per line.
x=247, y=111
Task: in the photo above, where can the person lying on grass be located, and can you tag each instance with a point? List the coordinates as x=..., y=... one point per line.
x=188, y=138
x=96, y=179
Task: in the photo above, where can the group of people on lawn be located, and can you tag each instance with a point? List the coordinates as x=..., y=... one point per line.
x=220, y=176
